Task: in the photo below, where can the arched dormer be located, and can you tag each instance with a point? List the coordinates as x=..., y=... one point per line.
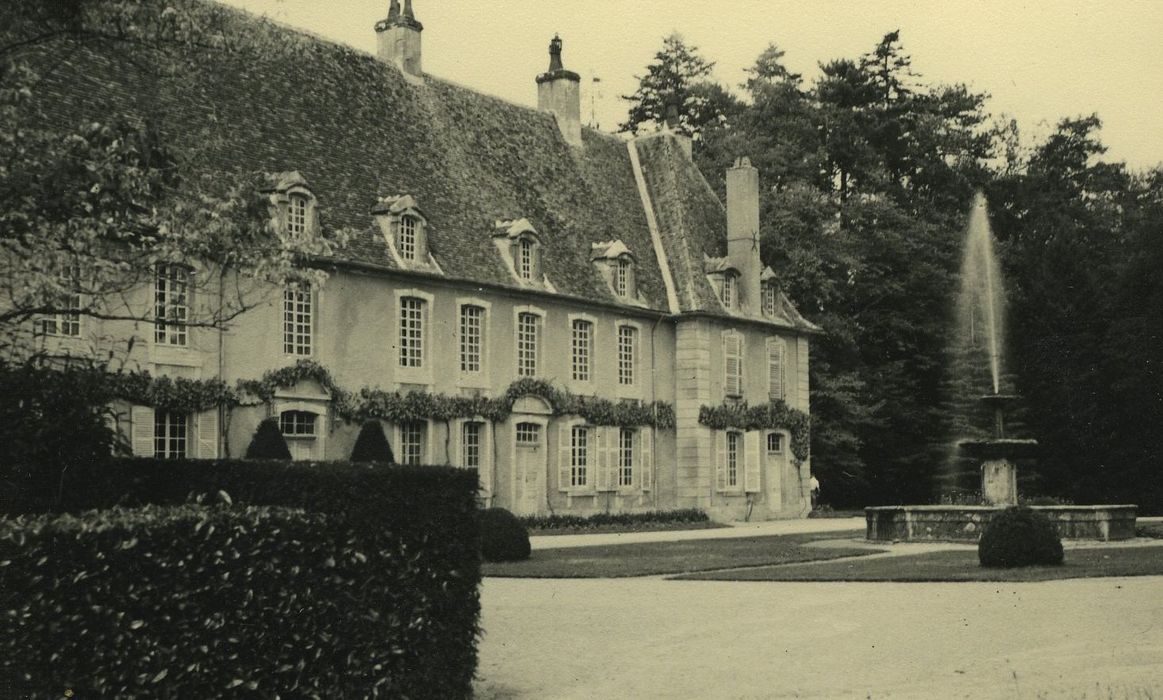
x=725, y=279
x=405, y=229
x=520, y=245
x=618, y=267
x=293, y=203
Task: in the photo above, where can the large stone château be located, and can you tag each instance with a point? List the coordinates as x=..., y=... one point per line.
x=501, y=252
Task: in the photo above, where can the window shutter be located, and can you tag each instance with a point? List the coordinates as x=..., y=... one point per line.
x=646, y=457
x=721, y=460
x=208, y=434
x=485, y=472
x=775, y=369
x=600, y=448
x=733, y=361
x=142, y=430
x=751, y=461
x=564, y=441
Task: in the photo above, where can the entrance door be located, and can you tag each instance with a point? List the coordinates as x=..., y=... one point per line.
x=776, y=463
x=531, y=468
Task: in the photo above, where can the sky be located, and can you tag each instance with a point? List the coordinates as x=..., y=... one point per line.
x=1040, y=61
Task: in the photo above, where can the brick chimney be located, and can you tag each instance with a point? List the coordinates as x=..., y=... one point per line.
x=398, y=40
x=743, y=231
x=559, y=93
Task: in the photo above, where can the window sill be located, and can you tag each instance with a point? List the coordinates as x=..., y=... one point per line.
x=473, y=381
x=181, y=355
x=413, y=375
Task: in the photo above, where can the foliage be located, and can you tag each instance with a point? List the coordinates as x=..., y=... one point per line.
x=286, y=377
x=89, y=207
x=503, y=536
x=775, y=415
x=578, y=522
x=268, y=442
x=388, y=555
x=372, y=445
x=668, y=84
x=1019, y=536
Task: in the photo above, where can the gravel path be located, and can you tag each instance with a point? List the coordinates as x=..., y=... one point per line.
x=649, y=638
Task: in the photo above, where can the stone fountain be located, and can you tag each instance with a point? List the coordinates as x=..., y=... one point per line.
x=981, y=310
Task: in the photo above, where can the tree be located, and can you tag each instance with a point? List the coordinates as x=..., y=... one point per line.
x=90, y=207
x=372, y=445
x=667, y=85
x=268, y=442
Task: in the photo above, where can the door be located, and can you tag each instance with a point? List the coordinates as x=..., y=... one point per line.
x=531, y=468
x=776, y=464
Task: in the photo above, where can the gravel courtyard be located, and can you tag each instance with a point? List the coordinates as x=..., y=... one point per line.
x=651, y=638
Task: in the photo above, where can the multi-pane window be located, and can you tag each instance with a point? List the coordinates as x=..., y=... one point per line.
x=734, y=458
x=171, y=304
x=622, y=277
x=733, y=362
x=775, y=369
x=528, y=325
x=407, y=239
x=627, y=354
x=170, y=434
x=297, y=215
x=297, y=423
x=411, y=332
x=583, y=345
x=412, y=442
x=528, y=434
x=626, y=457
x=579, y=455
x=297, y=320
x=769, y=300
x=471, y=338
x=470, y=444
x=774, y=442
x=727, y=291
x=525, y=258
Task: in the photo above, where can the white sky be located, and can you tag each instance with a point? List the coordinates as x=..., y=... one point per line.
x=1040, y=60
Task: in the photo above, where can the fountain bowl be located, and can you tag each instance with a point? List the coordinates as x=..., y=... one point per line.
x=998, y=448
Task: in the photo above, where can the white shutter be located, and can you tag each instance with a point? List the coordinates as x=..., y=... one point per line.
x=733, y=364
x=142, y=431
x=485, y=472
x=775, y=368
x=721, y=460
x=751, y=462
x=207, y=434
x=646, y=458
x=564, y=441
x=599, y=447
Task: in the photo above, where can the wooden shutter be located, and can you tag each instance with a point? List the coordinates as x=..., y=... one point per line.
x=564, y=442
x=207, y=434
x=600, y=447
x=485, y=471
x=646, y=458
x=142, y=418
x=751, y=452
x=721, y=460
x=775, y=368
x=733, y=362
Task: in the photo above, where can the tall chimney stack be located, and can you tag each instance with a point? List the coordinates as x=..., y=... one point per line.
x=398, y=40
x=743, y=231
x=559, y=93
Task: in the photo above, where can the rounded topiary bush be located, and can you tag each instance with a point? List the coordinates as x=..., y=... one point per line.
x=268, y=442
x=503, y=537
x=372, y=445
x=1019, y=536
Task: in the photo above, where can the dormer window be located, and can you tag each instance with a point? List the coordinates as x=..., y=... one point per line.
x=728, y=292
x=616, y=263
x=768, y=300
x=292, y=202
x=405, y=230
x=297, y=214
x=622, y=277
x=520, y=247
x=407, y=238
x=525, y=258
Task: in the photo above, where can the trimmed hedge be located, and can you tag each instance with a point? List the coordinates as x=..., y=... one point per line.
x=417, y=526
x=372, y=445
x=554, y=522
x=268, y=442
x=1019, y=536
x=503, y=537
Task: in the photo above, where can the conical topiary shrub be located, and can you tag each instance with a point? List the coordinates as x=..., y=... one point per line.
x=503, y=536
x=1019, y=536
x=268, y=442
x=372, y=445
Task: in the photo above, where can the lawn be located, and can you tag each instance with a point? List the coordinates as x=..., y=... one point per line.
x=958, y=565
x=617, y=529
x=644, y=559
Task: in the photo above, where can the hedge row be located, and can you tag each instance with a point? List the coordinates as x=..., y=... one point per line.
x=554, y=522
x=403, y=623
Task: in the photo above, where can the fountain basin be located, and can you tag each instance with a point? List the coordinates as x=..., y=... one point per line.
x=999, y=448
x=966, y=523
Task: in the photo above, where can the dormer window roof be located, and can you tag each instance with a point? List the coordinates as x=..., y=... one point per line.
x=405, y=230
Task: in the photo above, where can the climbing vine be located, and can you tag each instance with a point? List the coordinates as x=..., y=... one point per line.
x=775, y=415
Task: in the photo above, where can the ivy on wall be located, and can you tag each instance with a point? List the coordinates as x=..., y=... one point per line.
x=195, y=395
x=776, y=415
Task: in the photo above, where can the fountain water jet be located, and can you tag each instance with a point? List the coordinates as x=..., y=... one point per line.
x=981, y=310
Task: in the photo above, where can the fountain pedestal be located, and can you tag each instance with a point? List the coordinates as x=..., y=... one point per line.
x=999, y=482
